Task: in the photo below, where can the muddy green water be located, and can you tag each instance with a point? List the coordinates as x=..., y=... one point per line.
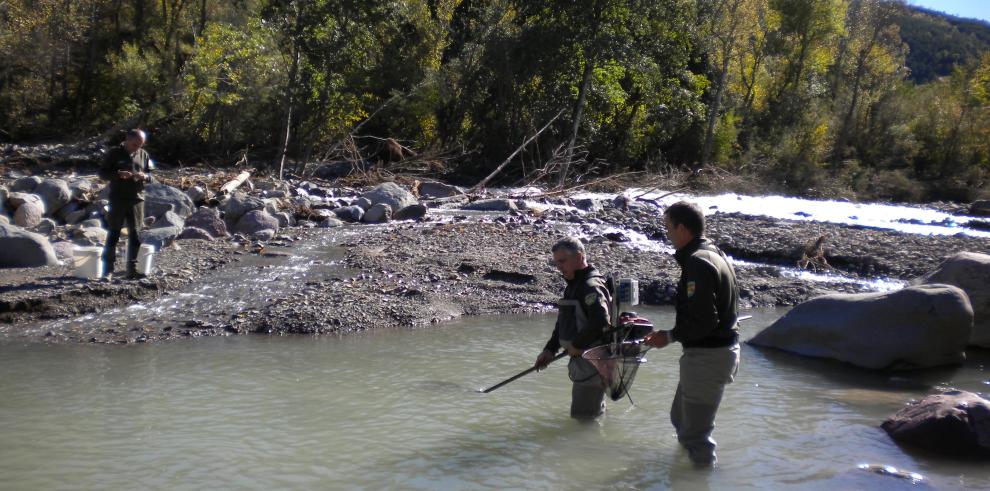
x=401, y=410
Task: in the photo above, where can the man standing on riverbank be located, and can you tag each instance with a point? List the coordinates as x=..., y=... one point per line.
x=582, y=318
x=706, y=327
x=126, y=167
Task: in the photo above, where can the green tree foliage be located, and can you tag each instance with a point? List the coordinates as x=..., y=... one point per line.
x=813, y=96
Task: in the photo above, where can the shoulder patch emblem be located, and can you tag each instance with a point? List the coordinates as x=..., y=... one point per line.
x=590, y=299
x=690, y=288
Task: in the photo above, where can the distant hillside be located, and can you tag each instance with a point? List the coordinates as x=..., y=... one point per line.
x=939, y=41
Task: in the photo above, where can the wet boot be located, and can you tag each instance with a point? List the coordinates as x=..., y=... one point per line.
x=695, y=433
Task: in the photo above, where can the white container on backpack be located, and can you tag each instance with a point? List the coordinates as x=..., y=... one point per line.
x=88, y=262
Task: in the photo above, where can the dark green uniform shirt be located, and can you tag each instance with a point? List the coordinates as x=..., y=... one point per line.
x=588, y=289
x=706, y=297
x=117, y=159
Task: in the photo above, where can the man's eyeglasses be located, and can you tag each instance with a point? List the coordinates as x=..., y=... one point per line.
x=557, y=262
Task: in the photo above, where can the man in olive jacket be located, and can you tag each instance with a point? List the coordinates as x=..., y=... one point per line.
x=582, y=319
x=126, y=167
x=706, y=328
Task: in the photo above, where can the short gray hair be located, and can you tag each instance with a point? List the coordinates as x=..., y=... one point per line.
x=569, y=244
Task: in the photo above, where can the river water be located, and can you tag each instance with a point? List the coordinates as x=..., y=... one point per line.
x=400, y=409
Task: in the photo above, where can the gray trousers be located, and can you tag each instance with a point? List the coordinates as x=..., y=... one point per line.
x=587, y=390
x=704, y=374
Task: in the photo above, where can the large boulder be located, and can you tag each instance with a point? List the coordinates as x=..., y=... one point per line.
x=208, y=220
x=159, y=198
x=437, y=190
x=411, y=212
x=90, y=236
x=256, y=221
x=170, y=219
x=954, y=422
x=55, y=193
x=917, y=327
x=25, y=184
x=159, y=237
x=971, y=272
x=238, y=205
x=193, y=233
x=379, y=213
x=22, y=249
x=349, y=213
x=30, y=213
x=391, y=194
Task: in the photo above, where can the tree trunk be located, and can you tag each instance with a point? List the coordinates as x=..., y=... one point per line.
x=290, y=91
x=576, y=121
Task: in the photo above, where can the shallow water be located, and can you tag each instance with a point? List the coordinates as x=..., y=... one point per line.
x=401, y=410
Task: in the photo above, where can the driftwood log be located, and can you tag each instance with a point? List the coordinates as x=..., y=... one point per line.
x=234, y=183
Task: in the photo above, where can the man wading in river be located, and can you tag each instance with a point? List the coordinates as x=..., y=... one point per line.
x=126, y=168
x=582, y=318
x=706, y=328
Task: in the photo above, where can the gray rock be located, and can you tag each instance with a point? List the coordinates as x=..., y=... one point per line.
x=159, y=237
x=29, y=214
x=411, y=212
x=364, y=203
x=263, y=235
x=17, y=199
x=589, y=205
x=379, y=213
x=255, y=221
x=76, y=217
x=285, y=219
x=330, y=222
x=90, y=236
x=276, y=193
x=170, y=219
x=491, y=205
x=46, y=226
x=22, y=249
x=55, y=193
x=64, y=212
x=25, y=184
x=193, y=233
x=80, y=187
x=954, y=422
x=917, y=327
x=159, y=198
x=198, y=194
x=91, y=222
x=438, y=190
x=349, y=213
x=391, y=194
x=208, y=219
x=64, y=249
x=971, y=272
x=4, y=220
x=238, y=205
x=272, y=206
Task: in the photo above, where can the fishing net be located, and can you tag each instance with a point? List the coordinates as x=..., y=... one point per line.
x=617, y=364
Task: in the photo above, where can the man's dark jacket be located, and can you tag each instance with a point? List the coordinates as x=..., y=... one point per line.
x=707, y=297
x=121, y=190
x=589, y=290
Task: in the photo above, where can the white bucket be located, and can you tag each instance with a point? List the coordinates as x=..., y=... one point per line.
x=144, y=259
x=88, y=262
